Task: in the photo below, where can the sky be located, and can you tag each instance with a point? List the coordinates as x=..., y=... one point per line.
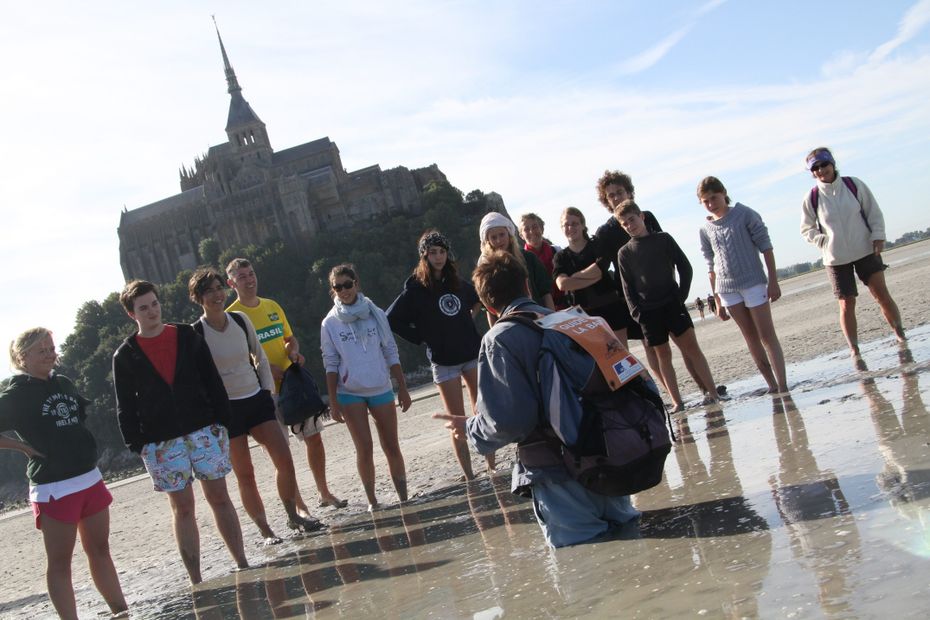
x=105, y=101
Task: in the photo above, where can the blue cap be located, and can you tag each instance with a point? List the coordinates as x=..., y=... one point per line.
x=823, y=155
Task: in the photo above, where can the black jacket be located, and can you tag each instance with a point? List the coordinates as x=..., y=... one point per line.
x=149, y=410
x=442, y=319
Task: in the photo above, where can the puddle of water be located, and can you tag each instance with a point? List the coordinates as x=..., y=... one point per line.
x=812, y=505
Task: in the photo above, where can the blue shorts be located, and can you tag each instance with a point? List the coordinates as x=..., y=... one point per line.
x=570, y=514
x=371, y=401
x=441, y=373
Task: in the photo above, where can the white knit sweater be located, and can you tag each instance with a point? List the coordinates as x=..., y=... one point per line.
x=845, y=237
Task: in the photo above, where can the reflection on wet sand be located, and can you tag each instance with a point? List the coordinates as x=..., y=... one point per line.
x=730, y=545
x=811, y=503
x=903, y=445
x=772, y=514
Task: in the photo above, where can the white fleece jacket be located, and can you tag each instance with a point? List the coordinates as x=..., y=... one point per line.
x=355, y=352
x=845, y=237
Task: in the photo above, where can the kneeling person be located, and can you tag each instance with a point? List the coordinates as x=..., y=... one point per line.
x=508, y=412
x=173, y=411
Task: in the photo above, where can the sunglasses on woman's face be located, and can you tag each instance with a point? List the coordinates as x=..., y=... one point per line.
x=344, y=285
x=820, y=165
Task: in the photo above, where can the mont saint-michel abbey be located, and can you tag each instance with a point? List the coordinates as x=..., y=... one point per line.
x=243, y=191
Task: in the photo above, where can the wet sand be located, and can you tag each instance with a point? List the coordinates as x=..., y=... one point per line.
x=811, y=506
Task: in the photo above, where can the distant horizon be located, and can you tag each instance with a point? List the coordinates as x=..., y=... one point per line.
x=533, y=101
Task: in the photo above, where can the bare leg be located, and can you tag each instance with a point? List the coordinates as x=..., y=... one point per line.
x=286, y=434
x=227, y=521
x=59, y=538
x=95, y=538
x=621, y=335
x=745, y=321
x=653, y=362
x=269, y=435
x=688, y=345
x=848, y=323
x=356, y=417
x=762, y=318
x=316, y=457
x=186, y=533
x=889, y=308
x=471, y=382
x=241, y=459
x=386, y=422
x=663, y=354
x=454, y=403
x=696, y=377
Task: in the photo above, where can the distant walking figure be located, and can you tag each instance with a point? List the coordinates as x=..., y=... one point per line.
x=699, y=304
x=841, y=217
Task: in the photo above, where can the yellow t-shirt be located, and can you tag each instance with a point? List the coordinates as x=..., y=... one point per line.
x=271, y=326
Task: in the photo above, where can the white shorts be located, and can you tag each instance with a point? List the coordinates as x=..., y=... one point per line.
x=311, y=426
x=752, y=296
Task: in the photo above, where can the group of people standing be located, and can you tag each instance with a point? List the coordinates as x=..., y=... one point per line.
x=189, y=396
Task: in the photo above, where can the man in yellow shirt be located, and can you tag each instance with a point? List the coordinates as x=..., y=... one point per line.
x=281, y=347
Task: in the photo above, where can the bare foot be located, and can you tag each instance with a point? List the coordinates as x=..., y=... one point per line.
x=899, y=333
x=677, y=408
x=333, y=501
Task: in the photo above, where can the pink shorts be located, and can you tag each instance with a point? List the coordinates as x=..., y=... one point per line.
x=74, y=507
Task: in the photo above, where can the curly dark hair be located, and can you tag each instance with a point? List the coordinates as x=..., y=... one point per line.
x=613, y=177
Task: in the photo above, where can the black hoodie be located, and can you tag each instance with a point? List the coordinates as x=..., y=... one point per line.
x=441, y=318
x=149, y=410
x=49, y=416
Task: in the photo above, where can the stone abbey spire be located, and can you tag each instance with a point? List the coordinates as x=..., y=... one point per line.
x=246, y=132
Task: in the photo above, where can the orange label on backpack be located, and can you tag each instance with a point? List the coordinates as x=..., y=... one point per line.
x=594, y=335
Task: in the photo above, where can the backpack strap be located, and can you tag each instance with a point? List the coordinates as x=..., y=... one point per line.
x=198, y=327
x=855, y=192
x=815, y=199
x=241, y=323
x=851, y=185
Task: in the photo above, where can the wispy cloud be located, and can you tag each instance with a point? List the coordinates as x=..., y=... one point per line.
x=654, y=54
x=911, y=24
x=651, y=56
x=709, y=6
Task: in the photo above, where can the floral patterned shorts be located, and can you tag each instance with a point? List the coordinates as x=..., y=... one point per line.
x=174, y=462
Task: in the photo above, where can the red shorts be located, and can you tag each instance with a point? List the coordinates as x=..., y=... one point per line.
x=72, y=508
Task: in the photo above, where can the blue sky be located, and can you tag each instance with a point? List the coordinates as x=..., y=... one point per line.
x=104, y=101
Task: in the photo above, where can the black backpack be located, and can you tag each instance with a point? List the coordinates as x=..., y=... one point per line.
x=612, y=438
x=299, y=398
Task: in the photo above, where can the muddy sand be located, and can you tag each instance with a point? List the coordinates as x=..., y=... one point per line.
x=155, y=581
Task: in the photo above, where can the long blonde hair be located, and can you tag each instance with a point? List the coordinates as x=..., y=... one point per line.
x=515, y=249
x=24, y=342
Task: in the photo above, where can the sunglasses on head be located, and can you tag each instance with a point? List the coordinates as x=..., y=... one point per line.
x=347, y=286
x=819, y=165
